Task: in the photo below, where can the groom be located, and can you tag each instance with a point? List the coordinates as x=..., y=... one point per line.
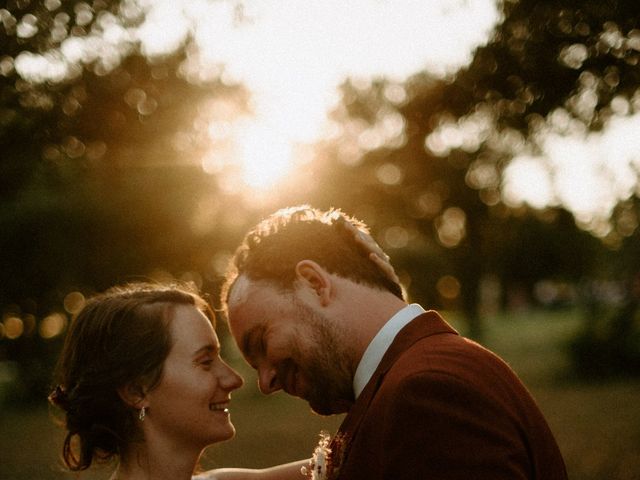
x=320, y=321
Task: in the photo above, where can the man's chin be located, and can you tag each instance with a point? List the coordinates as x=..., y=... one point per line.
x=330, y=408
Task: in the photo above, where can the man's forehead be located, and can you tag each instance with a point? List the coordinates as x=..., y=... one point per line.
x=244, y=288
x=239, y=292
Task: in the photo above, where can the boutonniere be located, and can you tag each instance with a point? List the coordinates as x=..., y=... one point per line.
x=326, y=459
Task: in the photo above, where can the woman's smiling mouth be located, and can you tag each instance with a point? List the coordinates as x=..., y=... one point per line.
x=219, y=407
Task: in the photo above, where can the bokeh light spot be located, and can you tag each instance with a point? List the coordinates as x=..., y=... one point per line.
x=451, y=227
x=389, y=174
x=73, y=302
x=574, y=55
x=428, y=204
x=448, y=287
x=52, y=5
x=52, y=325
x=396, y=237
x=13, y=327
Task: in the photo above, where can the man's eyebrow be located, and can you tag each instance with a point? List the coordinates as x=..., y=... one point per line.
x=211, y=348
x=252, y=341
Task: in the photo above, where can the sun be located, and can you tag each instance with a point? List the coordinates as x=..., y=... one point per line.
x=249, y=155
x=265, y=158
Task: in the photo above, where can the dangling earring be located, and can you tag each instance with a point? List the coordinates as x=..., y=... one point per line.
x=142, y=414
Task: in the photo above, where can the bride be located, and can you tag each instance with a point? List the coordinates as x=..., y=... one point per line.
x=141, y=380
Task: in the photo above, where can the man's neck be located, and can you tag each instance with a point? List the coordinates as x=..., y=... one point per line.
x=381, y=342
x=364, y=312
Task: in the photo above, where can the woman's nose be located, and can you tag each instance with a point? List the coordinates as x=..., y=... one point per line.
x=231, y=380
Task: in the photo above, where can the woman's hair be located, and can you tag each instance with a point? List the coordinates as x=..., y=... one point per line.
x=120, y=338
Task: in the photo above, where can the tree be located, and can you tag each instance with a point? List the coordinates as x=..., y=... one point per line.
x=424, y=161
x=101, y=177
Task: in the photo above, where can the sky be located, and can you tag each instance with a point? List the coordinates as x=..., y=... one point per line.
x=587, y=172
x=292, y=55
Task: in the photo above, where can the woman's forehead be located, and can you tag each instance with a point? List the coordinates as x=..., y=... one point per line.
x=191, y=328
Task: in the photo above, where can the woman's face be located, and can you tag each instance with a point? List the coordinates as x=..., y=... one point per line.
x=190, y=404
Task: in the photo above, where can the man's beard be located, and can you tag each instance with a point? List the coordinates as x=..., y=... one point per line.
x=326, y=366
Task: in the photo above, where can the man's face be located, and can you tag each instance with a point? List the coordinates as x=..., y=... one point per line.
x=293, y=346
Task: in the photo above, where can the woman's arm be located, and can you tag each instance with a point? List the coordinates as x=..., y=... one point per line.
x=287, y=471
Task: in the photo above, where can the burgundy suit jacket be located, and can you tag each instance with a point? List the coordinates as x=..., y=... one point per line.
x=441, y=407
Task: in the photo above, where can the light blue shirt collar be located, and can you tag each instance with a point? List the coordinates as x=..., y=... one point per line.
x=380, y=343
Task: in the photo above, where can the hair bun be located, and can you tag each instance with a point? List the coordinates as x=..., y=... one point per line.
x=59, y=397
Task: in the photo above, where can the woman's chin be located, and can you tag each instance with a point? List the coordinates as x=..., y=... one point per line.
x=223, y=435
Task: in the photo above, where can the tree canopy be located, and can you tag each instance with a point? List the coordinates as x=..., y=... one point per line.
x=425, y=161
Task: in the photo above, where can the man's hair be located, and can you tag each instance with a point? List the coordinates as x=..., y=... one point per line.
x=273, y=248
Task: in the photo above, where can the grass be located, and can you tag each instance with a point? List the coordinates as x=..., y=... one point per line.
x=597, y=425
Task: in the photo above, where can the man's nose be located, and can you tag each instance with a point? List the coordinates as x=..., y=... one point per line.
x=268, y=380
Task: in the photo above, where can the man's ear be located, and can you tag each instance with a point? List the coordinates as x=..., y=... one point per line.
x=313, y=276
x=133, y=394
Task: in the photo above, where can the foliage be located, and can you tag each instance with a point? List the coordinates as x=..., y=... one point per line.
x=432, y=187
x=609, y=343
x=100, y=177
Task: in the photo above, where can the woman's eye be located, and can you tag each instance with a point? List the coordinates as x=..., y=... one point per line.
x=206, y=363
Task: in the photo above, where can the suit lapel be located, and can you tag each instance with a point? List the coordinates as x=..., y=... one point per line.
x=425, y=325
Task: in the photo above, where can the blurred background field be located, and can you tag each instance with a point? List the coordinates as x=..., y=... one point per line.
x=597, y=424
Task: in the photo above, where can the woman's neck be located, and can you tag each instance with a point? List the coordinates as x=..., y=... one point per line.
x=158, y=462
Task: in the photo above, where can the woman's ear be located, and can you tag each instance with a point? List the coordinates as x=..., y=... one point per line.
x=133, y=394
x=316, y=278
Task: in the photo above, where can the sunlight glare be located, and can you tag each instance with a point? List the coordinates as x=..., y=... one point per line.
x=526, y=180
x=292, y=56
x=587, y=173
x=265, y=158
x=164, y=30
